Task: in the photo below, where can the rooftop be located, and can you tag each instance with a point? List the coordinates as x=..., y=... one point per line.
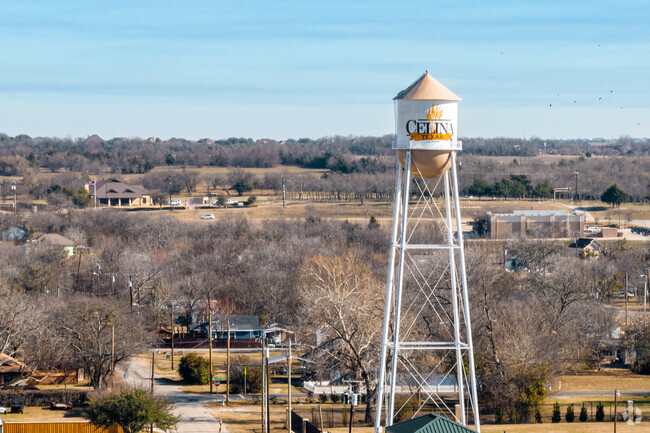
x=426, y=88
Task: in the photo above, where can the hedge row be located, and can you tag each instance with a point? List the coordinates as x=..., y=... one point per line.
x=44, y=397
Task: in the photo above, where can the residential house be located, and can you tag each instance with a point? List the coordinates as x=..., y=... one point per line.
x=588, y=247
x=241, y=328
x=54, y=240
x=12, y=233
x=10, y=369
x=114, y=193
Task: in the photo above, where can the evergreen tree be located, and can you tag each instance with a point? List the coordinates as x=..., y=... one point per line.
x=614, y=196
x=600, y=412
x=557, y=416
x=570, y=415
x=583, y=414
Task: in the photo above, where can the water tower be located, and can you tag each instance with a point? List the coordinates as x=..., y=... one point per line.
x=427, y=360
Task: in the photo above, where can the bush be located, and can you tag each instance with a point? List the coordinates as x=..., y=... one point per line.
x=600, y=412
x=408, y=409
x=538, y=416
x=194, y=369
x=335, y=398
x=43, y=397
x=556, y=413
x=570, y=415
x=498, y=416
x=322, y=398
x=133, y=410
x=253, y=375
x=583, y=414
x=513, y=415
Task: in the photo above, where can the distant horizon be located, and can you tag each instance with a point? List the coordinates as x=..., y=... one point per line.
x=134, y=137
x=311, y=69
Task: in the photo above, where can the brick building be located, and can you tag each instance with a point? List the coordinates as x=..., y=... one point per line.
x=535, y=224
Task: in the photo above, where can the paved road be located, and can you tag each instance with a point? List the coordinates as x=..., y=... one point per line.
x=194, y=418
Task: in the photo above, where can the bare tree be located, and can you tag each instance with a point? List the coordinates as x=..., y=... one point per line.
x=342, y=299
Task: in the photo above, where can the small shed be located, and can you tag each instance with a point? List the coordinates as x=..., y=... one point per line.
x=430, y=423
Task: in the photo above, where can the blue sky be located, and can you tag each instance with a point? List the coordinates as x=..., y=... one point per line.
x=285, y=69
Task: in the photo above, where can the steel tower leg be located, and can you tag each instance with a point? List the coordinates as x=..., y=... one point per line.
x=389, y=292
x=465, y=296
x=417, y=292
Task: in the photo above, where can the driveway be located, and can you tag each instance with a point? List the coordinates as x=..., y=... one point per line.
x=194, y=418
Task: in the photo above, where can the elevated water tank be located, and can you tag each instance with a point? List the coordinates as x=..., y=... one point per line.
x=426, y=122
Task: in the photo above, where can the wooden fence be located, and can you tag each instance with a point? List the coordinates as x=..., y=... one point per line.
x=57, y=427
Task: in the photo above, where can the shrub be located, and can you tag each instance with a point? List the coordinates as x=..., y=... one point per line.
x=570, y=415
x=600, y=412
x=409, y=406
x=538, y=416
x=133, y=410
x=583, y=414
x=322, y=398
x=335, y=398
x=240, y=373
x=498, y=416
x=194, y=369
x=513, y=415
x=556, y=413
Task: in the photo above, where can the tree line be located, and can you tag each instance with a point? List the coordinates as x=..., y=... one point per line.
x=309, y=275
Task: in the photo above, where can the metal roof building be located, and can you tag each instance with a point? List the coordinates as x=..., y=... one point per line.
x=430, y=423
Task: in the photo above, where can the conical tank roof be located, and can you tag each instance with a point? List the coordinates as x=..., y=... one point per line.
x=426, y=88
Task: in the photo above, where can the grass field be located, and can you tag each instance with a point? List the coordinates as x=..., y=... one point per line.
x=606, y=381
x=43, y=414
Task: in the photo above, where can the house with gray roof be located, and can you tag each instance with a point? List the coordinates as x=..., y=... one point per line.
x=114, y=193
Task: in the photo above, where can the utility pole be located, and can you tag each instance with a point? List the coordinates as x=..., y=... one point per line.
x=615, y=409
x=289, y=389
x=645, y=295
x=577, y=197
x=268, y=388
x=228, y=366
x=113, y=349
x=284, y=193
x=263, y=387
x=625, y=298
x=353, y=399
x=131, y=293
x=210, y=339
x=153, y=357
x=172, y=323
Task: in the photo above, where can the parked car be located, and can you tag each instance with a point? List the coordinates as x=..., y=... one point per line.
x=207, y=217
x=641, y=230
x=593, y=229
x=174, y=202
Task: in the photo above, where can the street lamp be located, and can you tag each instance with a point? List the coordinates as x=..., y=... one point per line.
x=99, y=284
x=13, y=189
